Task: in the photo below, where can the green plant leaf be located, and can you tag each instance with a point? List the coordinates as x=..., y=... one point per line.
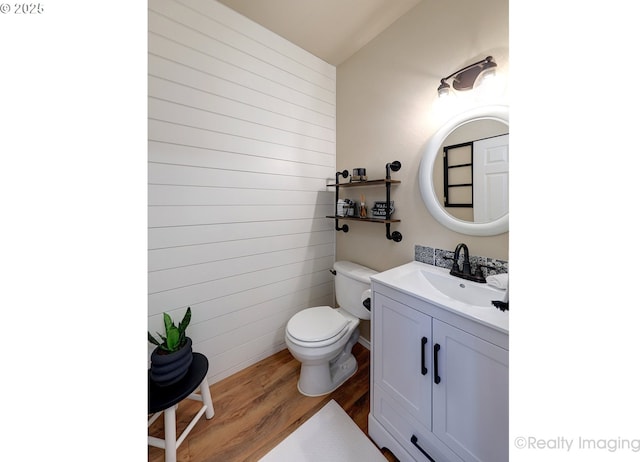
x=182, y=327
x=152, y=339
x=173, y=339
x=168, y=322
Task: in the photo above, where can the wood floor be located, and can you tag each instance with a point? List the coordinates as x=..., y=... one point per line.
x=258, y=407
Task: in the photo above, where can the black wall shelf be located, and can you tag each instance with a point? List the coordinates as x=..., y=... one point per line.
x=388, y=182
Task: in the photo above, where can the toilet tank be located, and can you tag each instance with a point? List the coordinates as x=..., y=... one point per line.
x=352, y=281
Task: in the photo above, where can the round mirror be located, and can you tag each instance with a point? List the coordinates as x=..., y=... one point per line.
x=463, y=176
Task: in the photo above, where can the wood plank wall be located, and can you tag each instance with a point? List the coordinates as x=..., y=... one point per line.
x=241, y=135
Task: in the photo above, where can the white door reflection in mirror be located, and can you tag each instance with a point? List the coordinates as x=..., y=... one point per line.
x=490, y=178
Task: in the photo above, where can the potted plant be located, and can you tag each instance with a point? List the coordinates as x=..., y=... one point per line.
x=171, y=358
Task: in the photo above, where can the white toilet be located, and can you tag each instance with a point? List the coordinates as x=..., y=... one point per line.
x=322, y=337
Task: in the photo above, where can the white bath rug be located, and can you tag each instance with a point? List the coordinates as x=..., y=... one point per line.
x=329, y=436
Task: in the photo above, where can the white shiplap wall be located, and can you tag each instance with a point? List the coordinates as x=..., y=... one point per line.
x=241, y=146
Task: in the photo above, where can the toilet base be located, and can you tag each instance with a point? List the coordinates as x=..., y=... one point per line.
x=316, y=380
x=322, y=378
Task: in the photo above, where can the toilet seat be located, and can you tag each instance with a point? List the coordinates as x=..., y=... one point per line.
x=316, y=327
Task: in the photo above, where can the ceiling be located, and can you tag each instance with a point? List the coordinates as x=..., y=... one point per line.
x=332, y=30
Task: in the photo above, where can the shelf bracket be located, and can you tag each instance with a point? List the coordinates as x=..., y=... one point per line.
x=344, y=174
x=395, y=166
x=393, y=236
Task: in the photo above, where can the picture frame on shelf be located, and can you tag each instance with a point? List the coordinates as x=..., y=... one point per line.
x=380, y=209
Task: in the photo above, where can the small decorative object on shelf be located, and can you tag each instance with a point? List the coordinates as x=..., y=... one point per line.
x=363, y=207
x=382, y=210
x=359, y=174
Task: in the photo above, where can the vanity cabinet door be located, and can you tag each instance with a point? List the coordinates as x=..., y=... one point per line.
x=402, y=359
x=471, y=400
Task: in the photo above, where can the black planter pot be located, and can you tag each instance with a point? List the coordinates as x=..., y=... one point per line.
x=169, y=368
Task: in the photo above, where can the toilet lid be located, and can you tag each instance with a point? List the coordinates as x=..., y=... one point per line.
x=316, y=324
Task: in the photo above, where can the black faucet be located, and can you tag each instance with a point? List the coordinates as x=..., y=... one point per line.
x=465, y=273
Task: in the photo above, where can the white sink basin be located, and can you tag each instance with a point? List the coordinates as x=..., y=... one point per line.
x=435, y=285
x=472, y=293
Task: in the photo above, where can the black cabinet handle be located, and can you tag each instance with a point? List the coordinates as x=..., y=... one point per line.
x=436, y=377
x=414, y=441
x=422, y=356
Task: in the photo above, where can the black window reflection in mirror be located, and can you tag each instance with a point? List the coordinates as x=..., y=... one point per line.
x=458, y=175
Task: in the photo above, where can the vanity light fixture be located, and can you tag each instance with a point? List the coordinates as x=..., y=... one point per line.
x=465, y=78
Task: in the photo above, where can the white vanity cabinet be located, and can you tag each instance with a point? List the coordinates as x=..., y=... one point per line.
x=439, y=382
